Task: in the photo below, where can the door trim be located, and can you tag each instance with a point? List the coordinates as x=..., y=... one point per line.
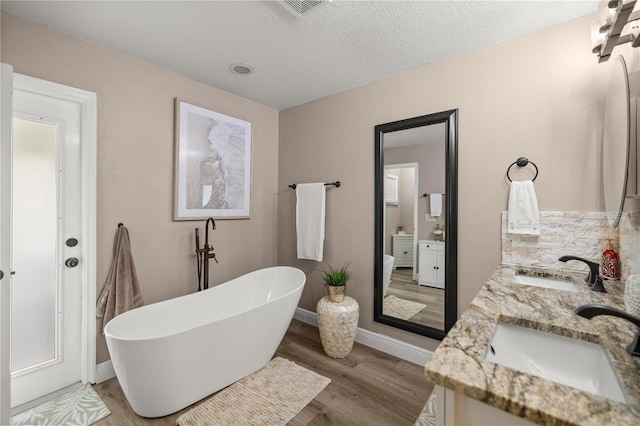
x=88, y=107
x=6, y=108
x=416, y=192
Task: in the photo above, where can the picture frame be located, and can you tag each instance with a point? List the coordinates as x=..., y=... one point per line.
x=212, y=168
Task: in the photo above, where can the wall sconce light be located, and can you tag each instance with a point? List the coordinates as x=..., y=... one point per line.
x=611, y=28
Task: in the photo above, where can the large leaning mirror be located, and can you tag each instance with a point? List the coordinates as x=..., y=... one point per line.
x=416, y=220
x=615, y=142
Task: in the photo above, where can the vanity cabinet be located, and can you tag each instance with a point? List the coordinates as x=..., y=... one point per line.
x=431, y=263
x=454, y=409
x=402, y=250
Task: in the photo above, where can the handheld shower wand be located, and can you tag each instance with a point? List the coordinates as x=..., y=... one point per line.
x=199, y=258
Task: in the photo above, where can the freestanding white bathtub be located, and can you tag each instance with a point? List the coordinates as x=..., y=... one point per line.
x=171, y=354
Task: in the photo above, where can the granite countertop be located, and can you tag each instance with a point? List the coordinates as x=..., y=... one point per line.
x=459, y=362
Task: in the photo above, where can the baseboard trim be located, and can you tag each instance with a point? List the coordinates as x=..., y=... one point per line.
x=386, y=344
x=105, y=371
x=306, y=316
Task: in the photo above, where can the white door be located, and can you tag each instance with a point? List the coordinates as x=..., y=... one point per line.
x=5, y=240
x=47, y=240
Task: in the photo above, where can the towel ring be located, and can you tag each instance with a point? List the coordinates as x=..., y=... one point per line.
x=522, y=162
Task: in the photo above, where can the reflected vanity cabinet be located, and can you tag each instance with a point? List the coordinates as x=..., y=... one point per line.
x=431, y=263
x=402, y=250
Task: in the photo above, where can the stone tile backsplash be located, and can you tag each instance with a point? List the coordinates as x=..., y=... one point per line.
x=629, y=244
x=582, y=234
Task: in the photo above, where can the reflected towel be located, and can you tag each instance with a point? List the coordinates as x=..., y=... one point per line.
x=435, y=203
x=523, y=216
x=310, y=213
x=121, y=291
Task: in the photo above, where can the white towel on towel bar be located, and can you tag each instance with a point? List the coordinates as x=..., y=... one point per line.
x=310, y=218
x=435, y=203
x=523, y=216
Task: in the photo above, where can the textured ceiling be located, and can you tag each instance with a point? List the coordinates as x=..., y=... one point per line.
x=335, y=47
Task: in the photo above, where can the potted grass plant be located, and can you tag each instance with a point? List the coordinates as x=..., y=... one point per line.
x=336, y=281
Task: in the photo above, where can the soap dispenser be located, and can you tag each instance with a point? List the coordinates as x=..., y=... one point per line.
x=610, y=268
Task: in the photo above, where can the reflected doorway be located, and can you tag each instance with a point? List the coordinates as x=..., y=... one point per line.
x=406, y=294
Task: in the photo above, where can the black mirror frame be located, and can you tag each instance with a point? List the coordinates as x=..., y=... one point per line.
x=450, y=118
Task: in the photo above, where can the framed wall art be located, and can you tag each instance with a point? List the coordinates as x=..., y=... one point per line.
x=212, y=172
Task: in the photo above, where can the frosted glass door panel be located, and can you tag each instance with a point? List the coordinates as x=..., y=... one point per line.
x=34, y=292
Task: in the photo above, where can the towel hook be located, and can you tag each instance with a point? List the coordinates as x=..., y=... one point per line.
x=522, y=162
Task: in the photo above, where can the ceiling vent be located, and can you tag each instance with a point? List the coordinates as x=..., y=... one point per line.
x=299, y=8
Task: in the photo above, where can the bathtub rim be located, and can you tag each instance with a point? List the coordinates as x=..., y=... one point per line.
x=299, y=288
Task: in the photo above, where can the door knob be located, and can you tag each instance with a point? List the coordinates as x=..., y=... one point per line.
x=1, y=274
x=71, y=262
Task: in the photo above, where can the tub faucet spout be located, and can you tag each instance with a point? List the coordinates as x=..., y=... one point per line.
x=594, y=268
x=592, y=310
x=206, y=230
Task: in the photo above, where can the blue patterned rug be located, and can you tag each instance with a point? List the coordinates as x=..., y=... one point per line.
x=80, y=407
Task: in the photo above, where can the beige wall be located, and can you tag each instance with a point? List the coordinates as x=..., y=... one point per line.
x=431, y=164
x=431, y=174
x=135, y=160
x=540, y=95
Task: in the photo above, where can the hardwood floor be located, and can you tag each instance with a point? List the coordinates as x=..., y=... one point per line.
x=368, y=387
x=403, y=286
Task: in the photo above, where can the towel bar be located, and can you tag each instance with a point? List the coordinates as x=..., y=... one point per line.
x=522, y=162
x=336, y=184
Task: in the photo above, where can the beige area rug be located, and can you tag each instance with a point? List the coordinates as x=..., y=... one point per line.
x=270, y=396
x=400, y=308
x=80, y=407
x=428, y=415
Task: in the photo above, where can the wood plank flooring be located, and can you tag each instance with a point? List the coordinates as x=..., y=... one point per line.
x=403, y=286
x=368, y=387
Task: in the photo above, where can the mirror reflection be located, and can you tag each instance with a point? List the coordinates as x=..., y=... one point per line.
x=414, y=224
x=615, y=142
x=414, y=219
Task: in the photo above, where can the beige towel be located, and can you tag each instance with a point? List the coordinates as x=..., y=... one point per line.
x=121, y=291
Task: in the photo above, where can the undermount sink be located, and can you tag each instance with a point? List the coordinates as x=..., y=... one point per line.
x=544, y=282
x=571, y=362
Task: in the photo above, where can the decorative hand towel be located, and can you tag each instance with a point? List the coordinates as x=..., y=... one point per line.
x=121, y=291
x=435, y=203
x=310, y=212
x=523, y=216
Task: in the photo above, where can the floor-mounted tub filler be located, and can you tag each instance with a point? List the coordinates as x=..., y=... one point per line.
x=171, y=354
